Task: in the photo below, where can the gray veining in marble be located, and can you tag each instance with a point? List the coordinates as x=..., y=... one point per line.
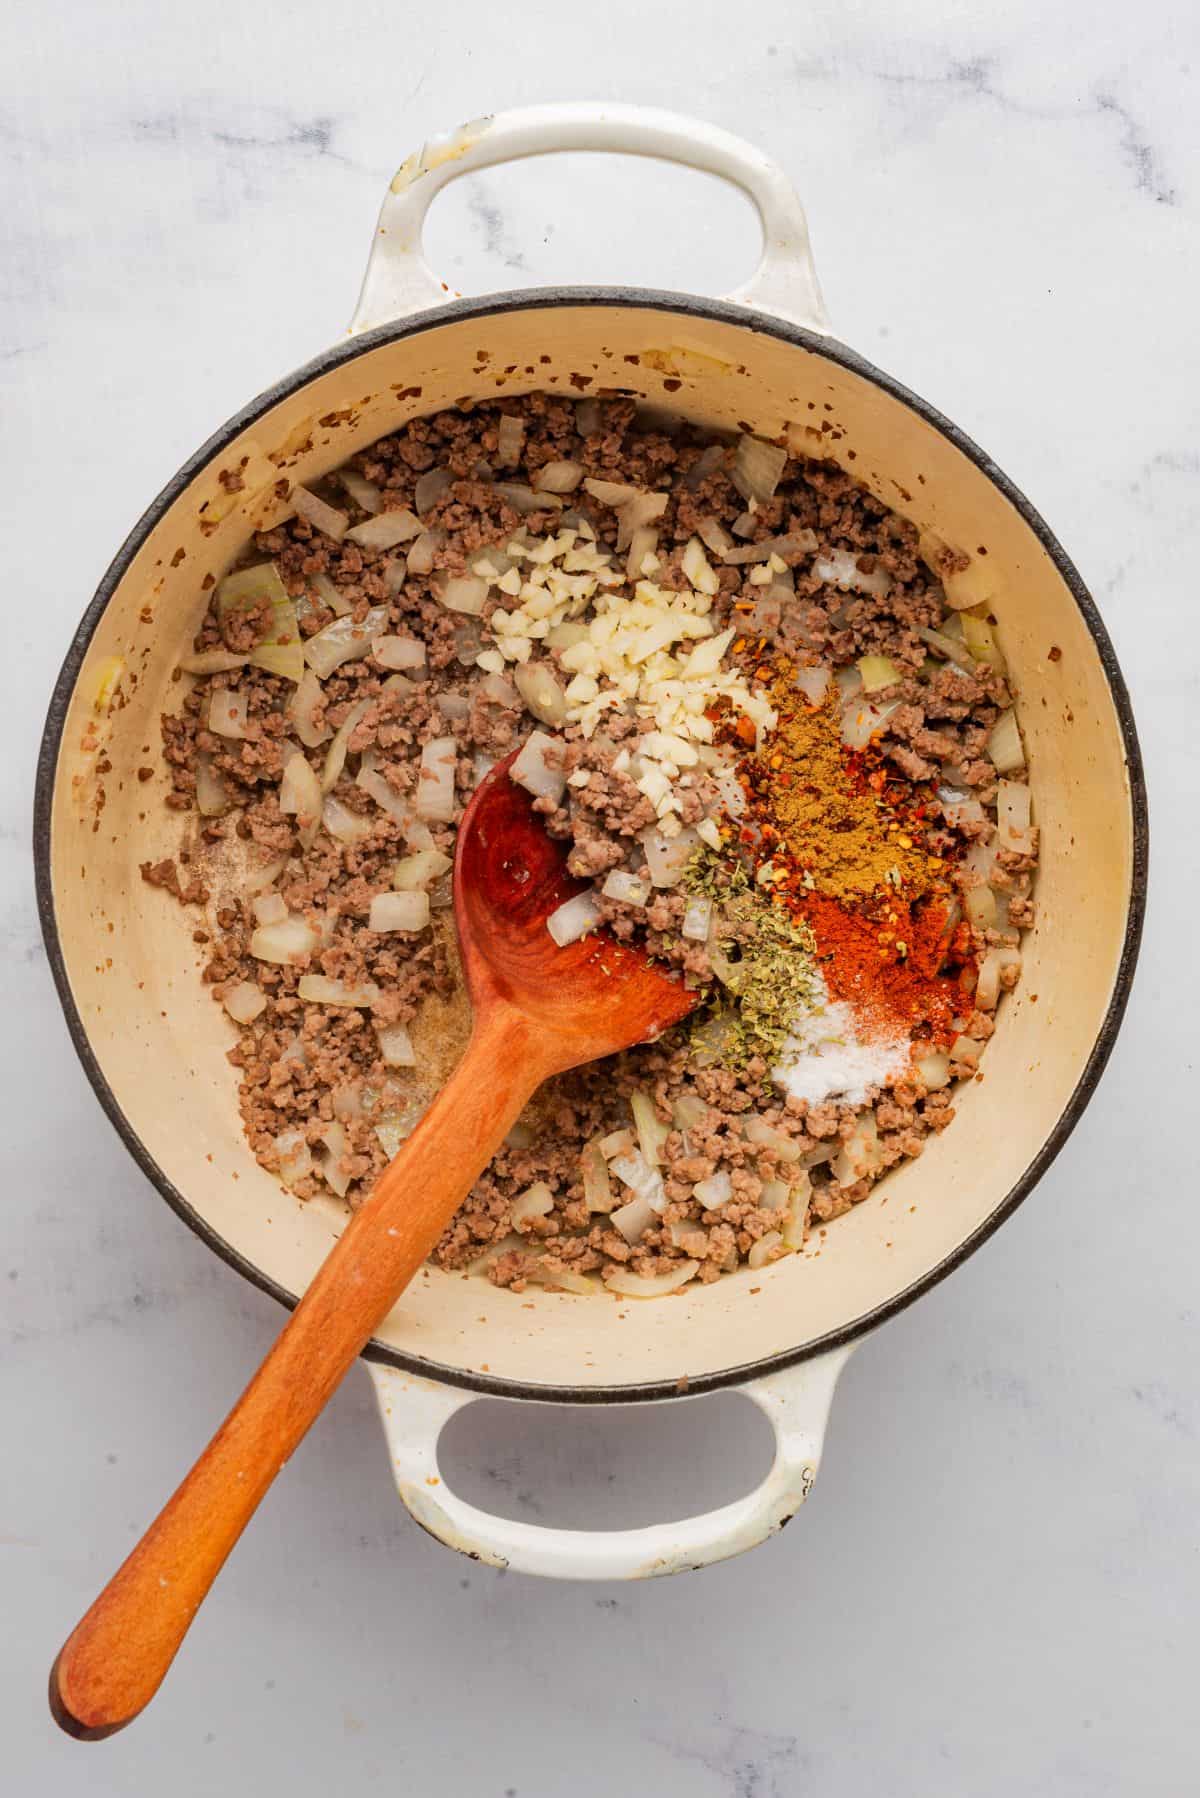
x=994, y=1588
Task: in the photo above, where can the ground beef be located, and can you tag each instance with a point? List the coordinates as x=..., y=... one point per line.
x=314, y=1076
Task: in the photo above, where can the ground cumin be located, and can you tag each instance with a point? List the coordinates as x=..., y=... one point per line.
x=834, y=830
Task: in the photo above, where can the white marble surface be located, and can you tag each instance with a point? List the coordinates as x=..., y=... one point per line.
x=994, y=1588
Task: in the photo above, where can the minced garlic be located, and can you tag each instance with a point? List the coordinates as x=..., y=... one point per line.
x=651, y=649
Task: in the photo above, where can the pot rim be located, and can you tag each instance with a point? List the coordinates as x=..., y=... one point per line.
x=488, y=306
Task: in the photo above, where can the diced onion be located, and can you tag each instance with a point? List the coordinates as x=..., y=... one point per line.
x=627, y=889
x=959, y=808
x=650, y=1286
x=643, y=543
x=667, y=857
x=399, y=652
x=696, y=920
x=364, y=493
x=538, y=768
x=453, y=706
x=295, y=1157
x=634, y=1218
x=342, y=823
x=334, y=1138
x=300, y=795
x=965, y=1052
x=542, y=692
x=714, y=536
x=279, y=650
x=633, y=1170
x=813, y=683
x=758, y=1131
x=611, y=493
x=1004, y=744
x=435, y=781
x=706, y=464
x=213, y=661
x=347, y=1100
x=860, y=1154
x=793, y=543
x=245, y=1001
x=994, y=963
x=415, y=872
x=618, y=1142
x=652, y=1133
x=319, y=513
x=761, y=1251
x=395, y=1128
x=335, y=755
x=589, y=418
x=684, y=1232
x=981, y=641
x=430, y=488
x=257, y=878
x=688, y=1110
x=344, y=641
x=714, y=1192
x=757, y=468
x=558, y=477
x=461, y=593
x=523, y=499
x=269, y=908
x=510, y=439
x=797, y=1218
x=933, y=1071
x=425, y=547
x=565, y=1277
x=468, y=639
x=979, y=903
x=302, y=708
x=331, y=597
x=574, y=919
x=863, y=719
x=285, y=942
x=395, y=1046
x=597, y=1186
x=318, y=989
x=641, y=510
x=398, y=911
x=942, y=645
x=386, y=531
x=1013, y=813
x=878, y=672
x=227, y=713
x=839, y=568
x=774, y=1195
x=536, y=1201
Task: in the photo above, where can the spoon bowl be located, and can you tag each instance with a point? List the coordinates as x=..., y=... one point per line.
x=595, y=995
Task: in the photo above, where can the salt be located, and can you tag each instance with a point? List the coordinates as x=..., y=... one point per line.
x=826, y=1058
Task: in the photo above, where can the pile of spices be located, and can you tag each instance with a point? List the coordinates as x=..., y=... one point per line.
x=822, y=825
x=841, y=840
x=836, y=927
x=763, y=959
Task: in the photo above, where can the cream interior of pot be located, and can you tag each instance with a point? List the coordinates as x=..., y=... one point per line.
x=160, y=1040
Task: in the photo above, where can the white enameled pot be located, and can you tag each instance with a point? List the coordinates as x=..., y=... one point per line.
x=154, y=1044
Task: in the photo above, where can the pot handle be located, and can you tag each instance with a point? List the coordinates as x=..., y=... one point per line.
x=795, y=1402
x=398, y=280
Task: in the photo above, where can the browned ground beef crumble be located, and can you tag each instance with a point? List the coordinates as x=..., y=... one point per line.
x=302, y=1065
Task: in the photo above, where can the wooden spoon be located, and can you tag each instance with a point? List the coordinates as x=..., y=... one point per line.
x=538, y=1010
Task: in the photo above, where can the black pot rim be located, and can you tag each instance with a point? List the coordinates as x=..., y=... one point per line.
x=489, y=306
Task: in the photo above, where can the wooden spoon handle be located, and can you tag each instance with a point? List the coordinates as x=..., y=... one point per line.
x=114, y=1661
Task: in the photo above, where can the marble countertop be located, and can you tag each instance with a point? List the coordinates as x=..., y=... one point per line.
x=994, y=1587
